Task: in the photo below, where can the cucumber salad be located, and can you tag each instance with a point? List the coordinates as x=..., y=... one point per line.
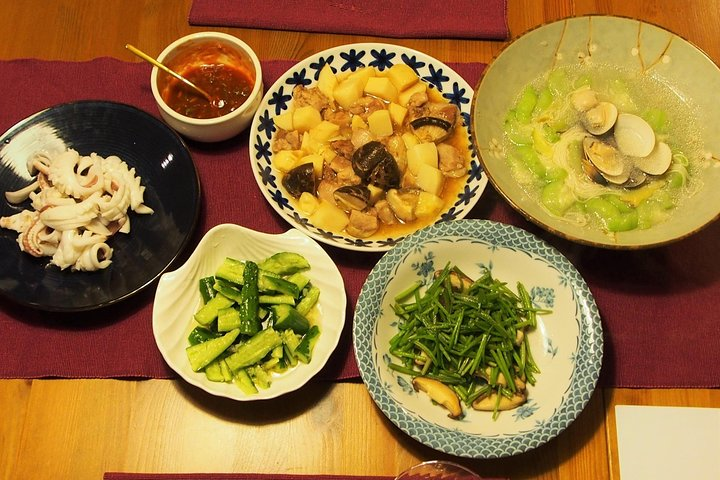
x=256, y=320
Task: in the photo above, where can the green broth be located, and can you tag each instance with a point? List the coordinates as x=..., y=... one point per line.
x=543, y=144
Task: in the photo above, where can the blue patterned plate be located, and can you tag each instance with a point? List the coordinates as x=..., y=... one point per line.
x=278, y=99
x=567, y=343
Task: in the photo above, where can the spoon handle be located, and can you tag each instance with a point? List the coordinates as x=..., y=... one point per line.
x=162, y=67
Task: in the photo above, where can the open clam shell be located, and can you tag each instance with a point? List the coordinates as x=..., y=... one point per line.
x=657, y=162
x=600, y=118
x=634, y=136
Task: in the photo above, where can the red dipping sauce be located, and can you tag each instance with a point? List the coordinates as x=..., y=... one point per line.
x=217, y=68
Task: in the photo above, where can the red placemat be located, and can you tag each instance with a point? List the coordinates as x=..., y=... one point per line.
x=486, y=19
x=232, y=476
x=249, y=476
x=659, y=306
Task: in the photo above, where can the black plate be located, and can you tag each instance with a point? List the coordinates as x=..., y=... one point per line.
x=172, y=190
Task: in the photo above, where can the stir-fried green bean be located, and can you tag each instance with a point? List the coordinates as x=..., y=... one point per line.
x=469, y=335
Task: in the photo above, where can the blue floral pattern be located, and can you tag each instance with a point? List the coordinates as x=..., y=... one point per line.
x=350, y=58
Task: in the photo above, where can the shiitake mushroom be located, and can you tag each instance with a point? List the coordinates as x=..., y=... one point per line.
x=300, y=179
x=432, y=129
x=352, y=197
x=374, y=164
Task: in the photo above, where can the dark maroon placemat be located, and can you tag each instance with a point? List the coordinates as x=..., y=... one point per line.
x=232, y=476
x=247, y=476
x=486, y=19
x=659, y=306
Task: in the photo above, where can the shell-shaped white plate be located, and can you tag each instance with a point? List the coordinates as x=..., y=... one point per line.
x=567, y=343
x=345, y=58
x=178, y=298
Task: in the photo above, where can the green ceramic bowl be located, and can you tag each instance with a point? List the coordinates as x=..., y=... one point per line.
x=634, y=46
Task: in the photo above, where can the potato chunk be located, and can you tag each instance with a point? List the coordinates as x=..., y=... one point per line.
x=380, y=123
x=327, y=81
x=404, y=96
x=285, y=120
x=402, y=76
x=305, y=118
x=422, y=153
x=329, y=217
x=286, y=160
x=430, y=179
x=428, y=205
x=397, y=113
x=323, y=131
x=381, y=87
x=348, y=91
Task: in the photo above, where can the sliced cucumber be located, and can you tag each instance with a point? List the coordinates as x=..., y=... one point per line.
x=228, y=319
x=254, y=350
x=202, y=354
x=286, y=317
x=285, y=263
x=209, y=312
x=244, y=382
x=304, y=350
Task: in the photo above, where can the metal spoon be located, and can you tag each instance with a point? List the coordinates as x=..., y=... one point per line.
x=162, y=67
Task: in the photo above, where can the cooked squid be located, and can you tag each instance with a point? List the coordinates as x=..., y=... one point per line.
x=77, y=203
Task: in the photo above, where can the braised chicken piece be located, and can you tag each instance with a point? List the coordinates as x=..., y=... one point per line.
x=286, y=140
x=365, y=106
x=362, y=223
x=385, y=213
x=310, y=96
x=343, y=148
x=338, y=117
x=451, y=163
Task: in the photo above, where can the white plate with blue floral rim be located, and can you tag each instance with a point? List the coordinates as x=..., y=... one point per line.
x=278, y=99
x=567, y=343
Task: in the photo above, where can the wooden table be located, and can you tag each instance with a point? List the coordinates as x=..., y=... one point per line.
x=78, y=429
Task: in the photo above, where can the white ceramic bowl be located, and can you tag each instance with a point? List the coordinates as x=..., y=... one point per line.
x=278, y=99
x=178, y=298
x=210, y=129
x=636, y=47
x=567, y=343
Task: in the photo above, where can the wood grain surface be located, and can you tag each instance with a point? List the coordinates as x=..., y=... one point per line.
x=78, y=429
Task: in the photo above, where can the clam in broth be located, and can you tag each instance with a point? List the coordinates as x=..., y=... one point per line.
x=603, y=148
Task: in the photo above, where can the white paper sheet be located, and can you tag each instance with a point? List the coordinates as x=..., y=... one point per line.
x=663, y=443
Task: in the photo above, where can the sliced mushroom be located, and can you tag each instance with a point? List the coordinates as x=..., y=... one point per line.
x=634, y=136
x=657, y=162
x=300, y=179
x=374, y=164
x=431, y=129
x=458, y=280
x=600, y=118
x=352, y=197
x=488, y=402
x=439, y=393
x=386, y=174
x=367, y=157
